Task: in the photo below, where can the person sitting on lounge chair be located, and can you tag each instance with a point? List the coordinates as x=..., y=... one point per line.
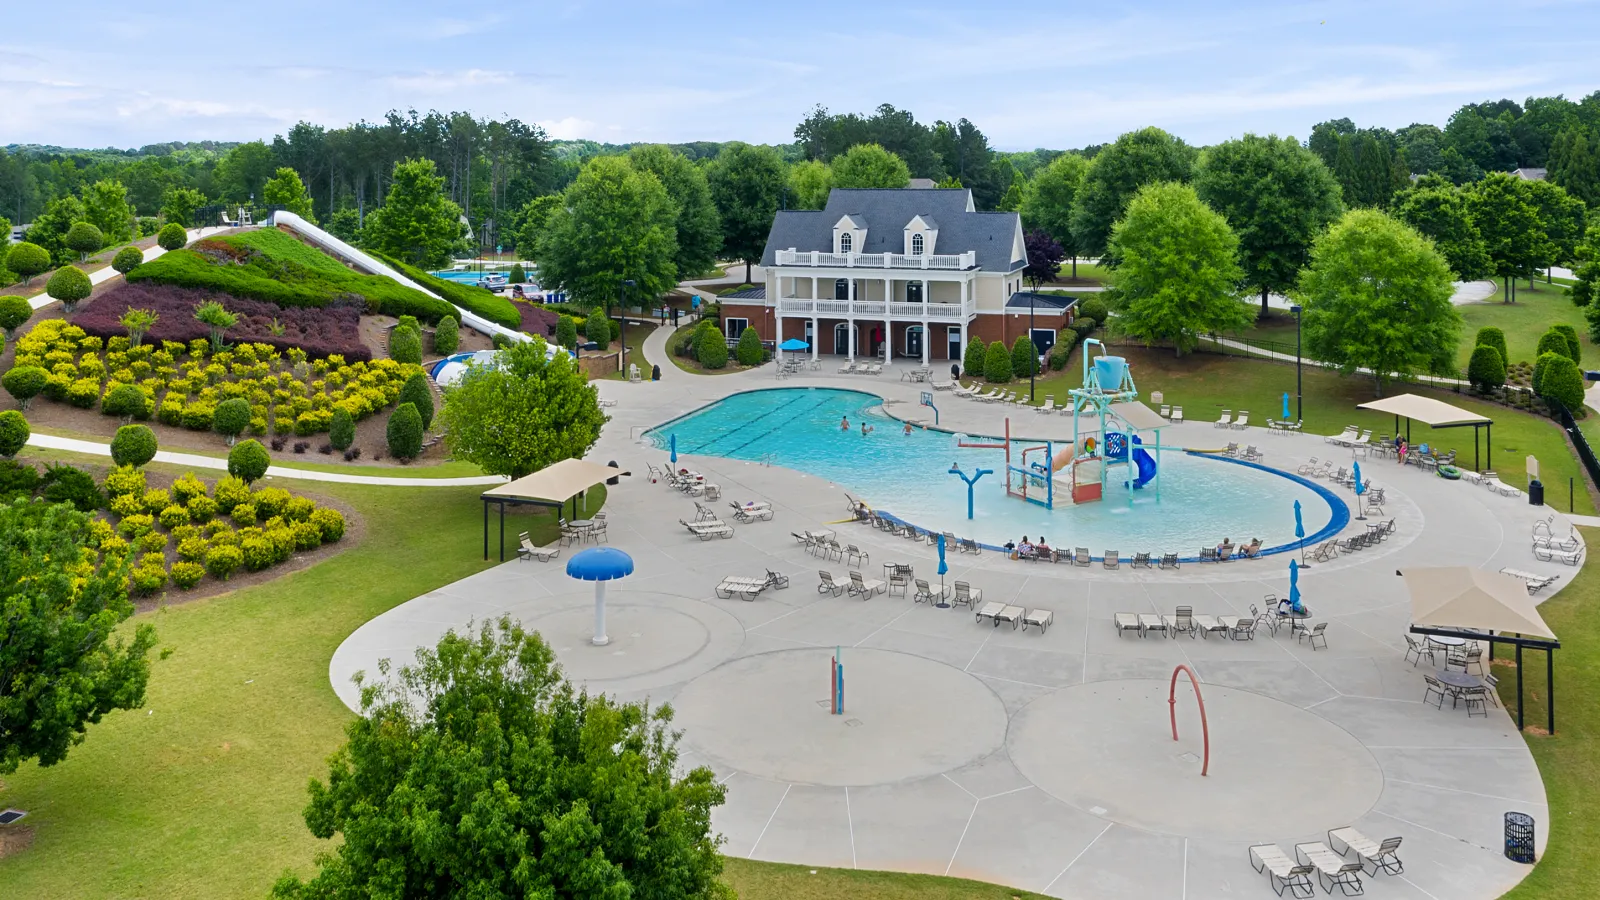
x=1025, y=548
x=862, y=511
x=1225, y=547
x=1041, y=549
x=1251, y=550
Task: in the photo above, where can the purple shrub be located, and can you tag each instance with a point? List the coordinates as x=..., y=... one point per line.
x=335, y=328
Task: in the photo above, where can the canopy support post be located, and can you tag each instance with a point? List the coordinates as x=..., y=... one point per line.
x=486, y=530
x=1519, y=687
x=1550, y=690
x=502, y=531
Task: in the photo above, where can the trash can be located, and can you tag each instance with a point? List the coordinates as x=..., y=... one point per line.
x=655, y=373
x=1536, y=493
x=955, y=372
x=1519, y=837
x=614, y=479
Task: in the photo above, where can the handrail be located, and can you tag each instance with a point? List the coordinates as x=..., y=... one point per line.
x=1172, y=710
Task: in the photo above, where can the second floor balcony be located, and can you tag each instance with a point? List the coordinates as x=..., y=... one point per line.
x=874, y=309
x=948, y=262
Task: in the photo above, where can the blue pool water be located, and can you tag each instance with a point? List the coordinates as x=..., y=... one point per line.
x=466, y=276
x=1202, y=500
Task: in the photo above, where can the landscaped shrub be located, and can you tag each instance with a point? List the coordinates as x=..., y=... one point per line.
x=14, y=313
x=173, y=516
x=248, y=461
x=306, y=536
x=1495, y=338
x=1575, y=350
x=185, y=575
x=597, y=329
x=27, y=260
x=244, y=514
x=405, y=345
x=518, y=275
x=134, y=445
x=155, y=500
x=997, y=363
x=127, y=259
x=84, y=239
x=320, y=332
x=151, y=542
x=201, y=508
x=1537, y=380
x=148, y=577
x=83, y=392
x=749, y=352
x=446, y=336
x=193, y=549
x=1024, y=357
x=171, y=237
x=1093, y=308
x=187, y=488
x=223, y=560
x=1553, y=341
x=342, y=431
x=404, y=432
x=330, y=522
x=1563, y=383
x=17, y=480
x=1084, y=327
x=972, y=361
x=127, y=401
x=125, y=481
x=476, y=300
x=567, y=332
x=231, y=418
x=711, y=348
x=127, y=504
x=69, y=285
x=14, y=433
x=256, y=553
x=417, y=393
x=1486, y=369
x=131, y=527
x=408, y=322
x=271, y=502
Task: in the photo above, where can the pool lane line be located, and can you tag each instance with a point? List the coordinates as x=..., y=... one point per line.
x=743, y=425
x=774, y=429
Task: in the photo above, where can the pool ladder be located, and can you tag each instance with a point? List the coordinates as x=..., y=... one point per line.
x=769, y=459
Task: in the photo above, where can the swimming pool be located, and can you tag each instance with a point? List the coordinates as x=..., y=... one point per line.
x=472, y=276
x=1203, y=499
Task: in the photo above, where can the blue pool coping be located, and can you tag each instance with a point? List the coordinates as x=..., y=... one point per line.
x=1336, y=523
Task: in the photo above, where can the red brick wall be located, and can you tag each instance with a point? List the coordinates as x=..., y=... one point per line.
x=1008, y=327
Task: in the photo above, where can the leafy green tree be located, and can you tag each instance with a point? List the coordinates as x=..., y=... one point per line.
x=697, y=226
x=597, y=328
x=66, y=660
x=128, y=401
x=711, y=347
x=746, y=185
x=231, y=418
x=216, y=317
x=417, y=393
x=973, y=360
x=582, y=791
x=83, y=239
x=172, y=237
x=1486, y=369
x=1047, y=202
x=248, y=461
x=523, y=414
x=69, y=285
x=1495, y=338
x=809, y=184
x=242, y=171
x=135, y=445
x=1094, y=309
x=616, y=224
x=345, y=224
x=138, y=321
x=1024, y=357
x=342, y=430
x=1442, y=212
x=49, y=228
x=749, y=352
x=1509, y=223
x=531, y=219
x=997, y=363
x=179, y=205
x=1115, y=174
x=1575, y=165
x=24, y=383
x=1561, y=216
x=1562, y=382
x=404, y=432
x=567, y=332
x=127, y=259
x=1277, y=196
x=1178, y=274
x=14, y=313
x=105, y=205
x=869, y=166
x=1540, y=363
x=417, y=224
x=14, y=433
x=285, y=190
x=1377, y=296
x=27, y=260
x=446, y=336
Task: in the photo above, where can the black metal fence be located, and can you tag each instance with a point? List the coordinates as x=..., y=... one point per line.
x=1585, y=452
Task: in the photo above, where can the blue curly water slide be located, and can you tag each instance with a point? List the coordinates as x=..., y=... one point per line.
x=1145, y=462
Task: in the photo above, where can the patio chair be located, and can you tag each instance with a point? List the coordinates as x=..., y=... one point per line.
x=1243, y=629
x=1332, y=870
x=1476, y=697
x=1325, y=551
x=1149, y=622
x=989, y=611
x=1493, y=685
x=774, y=580
x=1127, y=622
x=832, y=549
x=1012, y=614
x=828, y=585
x=1243, y=421
x=1383, y=856
x=968, y=545
x=1230, y=450
x=1177, y=415
x=1434, y=686
x=1225, y=420
x=1039, y=617
x=1318, y=632
x=1166, y=411
x=1081, y=557
x=1420, y=649
x=1169, y=560
x=1208, y=554
x=1282, y=872
x=713, y=491
x=900, y=578
x=1181, y=622
x=852, y=552
x=866, y=587
x=925, y=593
x=964, y=594
x=1110, y=560
x=526, y=549
x=1141, y=561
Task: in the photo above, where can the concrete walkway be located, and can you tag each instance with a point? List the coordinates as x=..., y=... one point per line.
x=1039, y=761
x=102, y=275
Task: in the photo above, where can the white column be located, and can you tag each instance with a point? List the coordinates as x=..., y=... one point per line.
x=816, y=334
x=777, y=337
x=813, y=289
x=600, y=639
x=850, y=320
x=925, y=339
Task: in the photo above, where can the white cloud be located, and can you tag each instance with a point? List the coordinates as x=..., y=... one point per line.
x=432, y=82
x=571, y=128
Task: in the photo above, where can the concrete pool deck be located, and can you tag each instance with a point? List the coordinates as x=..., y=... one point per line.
x=1040, y=761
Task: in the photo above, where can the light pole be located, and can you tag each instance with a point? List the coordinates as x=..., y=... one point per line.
x=622, y=318
x=1034, y=356
x=1299, y=383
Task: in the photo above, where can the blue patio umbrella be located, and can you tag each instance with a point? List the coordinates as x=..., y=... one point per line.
x=1360, y=489
x=1300, y=530
x=1294, y=586
x=794, y=344
x=673, y=443
x=1286, y=404
x=943, y=568
x=600, y=565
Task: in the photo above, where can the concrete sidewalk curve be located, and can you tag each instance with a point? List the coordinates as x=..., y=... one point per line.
x=102, y=275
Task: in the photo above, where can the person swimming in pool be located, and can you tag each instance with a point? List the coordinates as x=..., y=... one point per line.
x=844, y=424
x=865, y=429
x=907, y=431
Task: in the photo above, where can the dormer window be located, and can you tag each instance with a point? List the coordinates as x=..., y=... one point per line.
x=844, y=243
x=916, y=245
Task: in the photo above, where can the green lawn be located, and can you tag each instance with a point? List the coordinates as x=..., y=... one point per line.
x=1569, y=763
x=1204, y=384
x=775, y=881
x=637, y=334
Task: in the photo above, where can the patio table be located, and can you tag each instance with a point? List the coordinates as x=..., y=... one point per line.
x=1458, y=679
x=1446, y=641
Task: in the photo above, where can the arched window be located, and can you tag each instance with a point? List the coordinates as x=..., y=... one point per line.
x=916, y=245
x=844, y=243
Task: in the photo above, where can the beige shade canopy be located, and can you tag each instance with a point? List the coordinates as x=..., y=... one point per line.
x=1425, y=410
x=1139, y=416
x=1464, y=597
x=554, y=484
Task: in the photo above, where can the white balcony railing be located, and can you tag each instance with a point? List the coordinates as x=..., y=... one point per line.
x=941, y=312
x=949, y=262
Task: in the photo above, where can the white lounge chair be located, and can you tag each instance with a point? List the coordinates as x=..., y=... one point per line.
x=1149, y=622
x=1382, y=855
x=1283, y=873
x=1049, y=405
x=1243, y=421
x=1534, y=580
x=1040, y=617
x=866, y=587
x=1332, y=869
x=990, y=610
x=1349, y=434
x=1226, y=419
x=528, y=551
x=1012, y=614
x=1127, y=622
x=1551, y=554
x=1177, y=415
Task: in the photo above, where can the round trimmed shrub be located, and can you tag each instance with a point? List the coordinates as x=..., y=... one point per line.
x=222, y=560
x=271, y=502
x=193, y=549
x=416, y=392
x=134, y=445
x=1495, y=338
x=24, y=383
x=146, y=579
x=70, y=285
x=201, y=508
x=84, y=238
x=306, y=536
x=408, y=321
x=749, y=352
x=185, y=575
x=244, y=514
x=152, y=542
x=330, y=522
x=1553, y=341
x=14, y=433
x=342, y=431
x=27, y=260
x=1084, y=327
x=598, y=329
x=83, y=393
x=187, y=488
x=231, y=418
x=127, y=259
x=248, y=461
x=1486, y=369
x=230, y=492
x=1574, y=349
x=446, y=336
x=257, y=553
x=973, y=359
x=14, y=313
x=125, y=481
x=299, y=509
x=997, y=363
x=172, y=237
x=128, y=504
x=155, y=500
x=405, y=345
x=404, y=432
x=518, y=274
x=711, y=348
x=127, y=401
x=1563, y=383
x=131, y=527
x=173, y=516
x=1093, y=308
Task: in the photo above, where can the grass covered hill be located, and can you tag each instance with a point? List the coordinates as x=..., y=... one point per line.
x=470, y=297
x=269, y=265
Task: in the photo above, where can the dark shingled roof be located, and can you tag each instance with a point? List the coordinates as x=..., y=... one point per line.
x=1052, y=302
x=759, y=293
x=889, y=211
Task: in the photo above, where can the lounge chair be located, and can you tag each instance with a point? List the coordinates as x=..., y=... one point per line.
x=964, y=593
x=1548, y=541
x=1177, y=415
x=1110, y=560
x=1012, y=614
x=746, y=588
x=1169, y=561
x=1349, y=434
x=1181, y=622
x=1551, y=554
x=1166, y=411
x=1283, y=873
x=1242, y=629
x=866, y=587
x=847, y=369
x=1332, y=870
x=1206, y=626
x=749, y=514
x=1049, y=405
x=527, y=550
x=705, y=531
x=1225, y=553
x=968, y=545
x=1243, y=421
x=1127, y=622
x=828, y=585
x=1141, y=561
x=1381, y=855
x=852, y=552
x=989, y=611
x=1208, y=554
x=1081, y=557
x=1325, y=551
x=1039, y=617
x=1149, y=622
x=1308, y=468
x=942, y=385
x=926, y=594
x=1226, y=420
x=1535, y=581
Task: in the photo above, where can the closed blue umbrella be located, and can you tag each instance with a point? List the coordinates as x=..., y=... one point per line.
x=1300, y=530
x=1361, y=512
x=943, y=568
x=1294, y=586
x=673, y=443
x=1286, y=404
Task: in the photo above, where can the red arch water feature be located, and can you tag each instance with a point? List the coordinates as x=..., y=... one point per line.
x=1172, y=711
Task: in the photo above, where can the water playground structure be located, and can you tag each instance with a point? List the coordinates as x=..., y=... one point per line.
x=1108, y=428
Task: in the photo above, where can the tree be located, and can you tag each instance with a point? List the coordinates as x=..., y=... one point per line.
x=127, y=259
x=1553, y=341
x=416, y=223
x=1277, y=196
x=172, y=237
x=242, y=171
x=105, y=205
x=1562, y=383
x=973, y=360
x=1044, y=258
x=27, y=260
x=138, y=321
x=1047, y=202
x=67, y=662
x=749, y=352
x=1561, y=217
x=809, y=185
x=248, y=461
x=231, y=418
x=710, y=346
x=24, y=383
x=1094, y=310
x=14, y=433
x=417, y=393
x=1495, y=338
x=1136, y=159
x=127, y=401
x=869, y=166
x=1509, y=224
x=1178, y=274
x=1574, y=349
x=1575, y=165
x=216, y=317
x=49, y=228
x=696, y=224
x=518, y=275
x=997, y=363
x=404, y=432
x=14, y=313
x=1024, y=357
x=582, y=791
x=134, y=445
x=446, y=336
x=342, y=430
x=1442, y=212
x=567, y=332
x=746, y=184
x=1486, y=369
x=616, y=224
x=523, y=414
x=531, y=220
x=1377, y=296
x=285, y=189
x=83, y=239
x=179, y=205
x=345, y=224
x=70, y=285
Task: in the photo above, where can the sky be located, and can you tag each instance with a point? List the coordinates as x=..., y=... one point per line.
x=1048, y=74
